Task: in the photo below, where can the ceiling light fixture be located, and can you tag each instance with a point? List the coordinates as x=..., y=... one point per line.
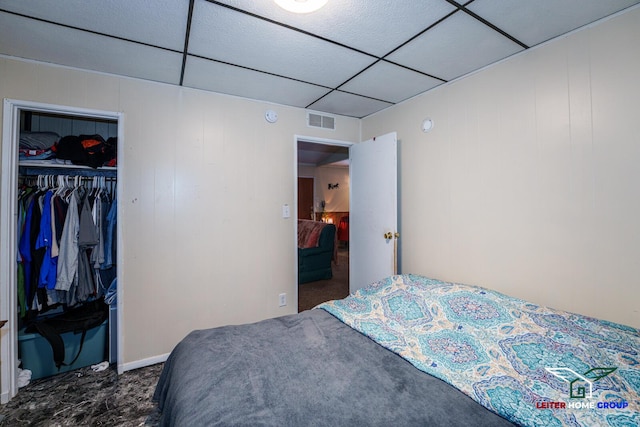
x=301, y=6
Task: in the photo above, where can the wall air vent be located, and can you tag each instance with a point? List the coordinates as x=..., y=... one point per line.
x=315, y=120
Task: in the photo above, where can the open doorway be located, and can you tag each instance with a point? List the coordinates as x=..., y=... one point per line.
x=323, y=197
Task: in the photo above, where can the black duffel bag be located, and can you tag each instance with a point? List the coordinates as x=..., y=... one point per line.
x=77, y=320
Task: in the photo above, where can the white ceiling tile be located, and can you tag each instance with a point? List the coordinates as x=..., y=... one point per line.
x=30, y=39
x=337, y=47
x=455, y=47
x=389, y=82
x=230, y=36
x=158, y=22
x=373, y=26
x=232, y=80
x=348, y=105
x=551, y=17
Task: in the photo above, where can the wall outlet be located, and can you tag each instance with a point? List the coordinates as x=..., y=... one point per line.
x=282, y=299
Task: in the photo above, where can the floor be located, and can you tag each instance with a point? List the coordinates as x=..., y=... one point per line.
x=86, y=398
x=313, y=293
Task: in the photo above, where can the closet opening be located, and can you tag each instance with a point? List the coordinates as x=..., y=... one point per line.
x=59, y=279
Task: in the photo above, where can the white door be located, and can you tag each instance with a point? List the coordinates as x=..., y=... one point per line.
x=373, y=210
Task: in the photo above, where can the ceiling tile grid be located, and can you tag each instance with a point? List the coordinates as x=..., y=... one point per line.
x=226, y=35
x=348, y=104
x=389, y=82
x=159, y=23
x=46, y=42
x=238, y=81
x=374, y=27
x=552, y=18
x=455, y=47
x=351, y=57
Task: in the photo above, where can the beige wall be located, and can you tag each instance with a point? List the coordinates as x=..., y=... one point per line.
x=205, y=177
x=337, y=199
x=529, y=182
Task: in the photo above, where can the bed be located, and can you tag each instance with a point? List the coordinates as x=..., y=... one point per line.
x=408, y=351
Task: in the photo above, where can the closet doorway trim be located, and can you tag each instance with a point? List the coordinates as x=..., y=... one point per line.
x=8, y=231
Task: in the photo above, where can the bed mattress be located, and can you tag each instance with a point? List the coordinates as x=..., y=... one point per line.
x=305, y=369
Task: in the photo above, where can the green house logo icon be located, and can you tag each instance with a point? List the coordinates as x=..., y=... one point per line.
x=580, y=385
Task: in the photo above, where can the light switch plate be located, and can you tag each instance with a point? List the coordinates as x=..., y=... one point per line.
x=286, y=212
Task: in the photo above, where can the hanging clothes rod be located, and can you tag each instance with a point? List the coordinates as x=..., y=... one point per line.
x=62, y=182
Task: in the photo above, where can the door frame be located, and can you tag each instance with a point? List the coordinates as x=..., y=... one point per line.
x=9, y=232
x=315, y=140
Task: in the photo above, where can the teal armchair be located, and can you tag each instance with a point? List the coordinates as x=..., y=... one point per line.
x=315, y=263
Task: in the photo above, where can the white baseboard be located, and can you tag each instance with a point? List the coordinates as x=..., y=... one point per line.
x=144, y=362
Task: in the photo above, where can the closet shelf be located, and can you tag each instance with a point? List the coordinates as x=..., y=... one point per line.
x=33, y=168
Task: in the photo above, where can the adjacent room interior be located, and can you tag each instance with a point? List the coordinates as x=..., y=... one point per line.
x=323, y=195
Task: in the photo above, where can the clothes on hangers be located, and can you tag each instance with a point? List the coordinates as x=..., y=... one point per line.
x=62, y=249
x=47, y=277
x=68, y=246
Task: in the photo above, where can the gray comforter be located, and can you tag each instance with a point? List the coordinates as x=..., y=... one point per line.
x=307, y=369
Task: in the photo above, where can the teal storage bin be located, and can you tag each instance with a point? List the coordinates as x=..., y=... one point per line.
x=36, y=354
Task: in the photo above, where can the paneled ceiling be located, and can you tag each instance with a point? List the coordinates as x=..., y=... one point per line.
x=313, y=154
x=352, y=57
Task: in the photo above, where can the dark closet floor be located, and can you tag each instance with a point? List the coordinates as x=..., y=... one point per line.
x=86, y=398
